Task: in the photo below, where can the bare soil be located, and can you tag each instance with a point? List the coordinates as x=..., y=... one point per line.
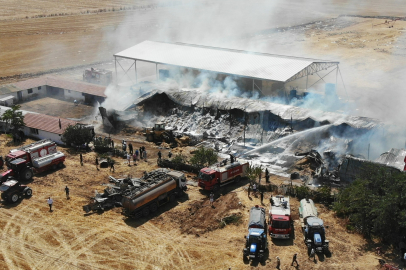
x=184, y=235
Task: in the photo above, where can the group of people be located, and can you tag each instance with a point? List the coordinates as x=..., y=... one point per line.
x=294, y=261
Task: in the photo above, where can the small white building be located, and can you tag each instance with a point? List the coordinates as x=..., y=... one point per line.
x=7, y=101
x=41, y=126
x=54, y=87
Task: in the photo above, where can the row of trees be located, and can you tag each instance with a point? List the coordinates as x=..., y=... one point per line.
x=375, y=203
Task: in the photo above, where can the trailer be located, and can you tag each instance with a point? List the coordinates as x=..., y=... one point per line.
x=256, y=243
x=280, y=220
x=35, y=157
x=151, y=191
x=221, y=174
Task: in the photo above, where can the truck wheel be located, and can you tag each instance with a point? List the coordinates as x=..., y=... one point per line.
x=153, y=207
x=14, y=198
x=60, y=165
x=238, y=179
x=26, y=174
x=145, y=212
x=54, y=167
x=216, y=188
x=28, y=192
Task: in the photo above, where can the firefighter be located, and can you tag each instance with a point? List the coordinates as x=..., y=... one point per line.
x=231, y=158
x=130, y=148
x=294, y=260
x=67, y=192
x=97, y=163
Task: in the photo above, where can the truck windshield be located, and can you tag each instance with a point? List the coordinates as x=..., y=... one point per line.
x=4, y=188
x=278, y=224
x=205, y=177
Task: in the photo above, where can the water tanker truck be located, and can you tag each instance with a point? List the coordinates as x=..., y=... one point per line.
x=151, y=191
x=280, y=220
x=313, y=227
x=256, y=243
x=35, y=157
x=221, y=174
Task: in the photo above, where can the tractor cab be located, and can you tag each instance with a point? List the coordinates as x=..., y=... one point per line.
x=159, y=126
x=315, y=235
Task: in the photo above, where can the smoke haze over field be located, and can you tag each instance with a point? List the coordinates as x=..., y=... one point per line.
x=374, y=89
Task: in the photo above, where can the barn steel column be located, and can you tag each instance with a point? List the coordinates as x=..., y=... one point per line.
x=115, y=64
x=135, y=69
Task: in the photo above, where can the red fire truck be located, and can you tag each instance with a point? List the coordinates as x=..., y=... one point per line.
x=35, y=157
x=221, y=174
x=280, y=220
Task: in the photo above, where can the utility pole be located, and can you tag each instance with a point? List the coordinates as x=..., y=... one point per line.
x=368, y=149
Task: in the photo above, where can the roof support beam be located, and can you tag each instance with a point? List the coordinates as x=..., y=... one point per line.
x=312, y=68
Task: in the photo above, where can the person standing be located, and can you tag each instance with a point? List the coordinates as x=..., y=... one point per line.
x=129, y=159
x=294, y=260
x=67, y=192
x=112, y=144
x=170, y=154
x=130, y=148
x=141, y=153
x=81, y=159
x=159, y=155
x=97, y=163
x=211, y=198
x=50, y=202
x=249, y=190
x=254, y=188
x=111, y=165
x=136, y=154
x=262, y=196
x=278, y=262
x=267, y=175
x=145, y=154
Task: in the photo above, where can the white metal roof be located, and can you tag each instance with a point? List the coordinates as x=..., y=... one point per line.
x=227, y=61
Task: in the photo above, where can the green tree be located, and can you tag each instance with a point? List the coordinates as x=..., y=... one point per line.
x=204, y=157
x=375, y=202
x=77, y=135
x=13, y=118
x=253, y=172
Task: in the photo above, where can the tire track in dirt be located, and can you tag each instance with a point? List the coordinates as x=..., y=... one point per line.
x=9, y=249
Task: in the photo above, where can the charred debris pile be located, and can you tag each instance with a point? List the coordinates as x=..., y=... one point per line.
x=330, y=169
x=234, y=119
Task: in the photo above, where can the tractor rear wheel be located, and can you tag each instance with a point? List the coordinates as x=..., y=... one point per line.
x=26, y=174
x=14, y=198
x=28, y=192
